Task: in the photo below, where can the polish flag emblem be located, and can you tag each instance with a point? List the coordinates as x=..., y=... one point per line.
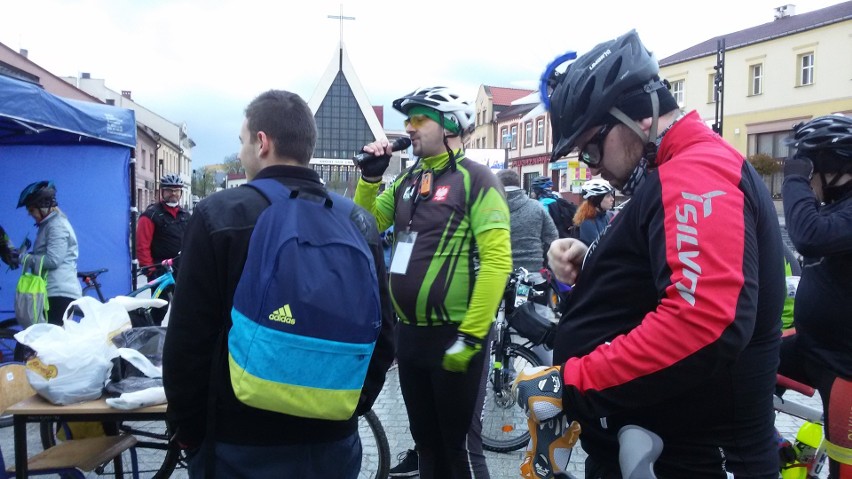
x=442, y=192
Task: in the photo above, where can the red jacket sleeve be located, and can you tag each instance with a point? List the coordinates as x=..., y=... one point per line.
x=144, y=235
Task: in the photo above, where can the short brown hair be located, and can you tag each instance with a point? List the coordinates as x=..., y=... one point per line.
x=287, y=121
x=509, y=178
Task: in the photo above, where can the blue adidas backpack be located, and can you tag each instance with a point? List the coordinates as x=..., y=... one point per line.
x=306, y=311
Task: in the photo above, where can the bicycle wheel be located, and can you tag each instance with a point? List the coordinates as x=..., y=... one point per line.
x=375, y=460
x=156, y=458
x=504, y=424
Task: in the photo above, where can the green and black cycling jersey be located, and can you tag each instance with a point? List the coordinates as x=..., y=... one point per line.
x=461, y=224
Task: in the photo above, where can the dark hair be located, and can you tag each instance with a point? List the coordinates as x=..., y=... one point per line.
x=287, y=121
x=509, y=178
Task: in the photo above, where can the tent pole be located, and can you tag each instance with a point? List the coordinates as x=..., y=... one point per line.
x=134, y=215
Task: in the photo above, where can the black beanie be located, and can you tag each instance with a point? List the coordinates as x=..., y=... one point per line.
x=636, y=103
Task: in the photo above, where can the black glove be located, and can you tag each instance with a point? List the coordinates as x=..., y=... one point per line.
x=374, y=166
x=798, y=166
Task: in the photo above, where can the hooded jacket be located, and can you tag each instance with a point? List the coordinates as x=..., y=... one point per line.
x=532, y=230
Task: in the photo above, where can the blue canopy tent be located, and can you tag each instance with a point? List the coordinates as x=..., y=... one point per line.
x=85, y=149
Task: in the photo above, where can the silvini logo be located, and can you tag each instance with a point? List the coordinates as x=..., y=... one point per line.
x=283, y=315
x=687, y=240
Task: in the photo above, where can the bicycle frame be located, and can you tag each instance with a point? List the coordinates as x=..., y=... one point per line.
x=158, y=284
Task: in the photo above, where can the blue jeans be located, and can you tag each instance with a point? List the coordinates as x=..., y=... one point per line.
x=338, y=459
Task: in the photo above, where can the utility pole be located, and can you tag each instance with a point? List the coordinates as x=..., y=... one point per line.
x=719, y=85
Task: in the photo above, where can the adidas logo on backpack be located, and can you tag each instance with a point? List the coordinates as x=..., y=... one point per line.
x=283, y=315
x=302, y=250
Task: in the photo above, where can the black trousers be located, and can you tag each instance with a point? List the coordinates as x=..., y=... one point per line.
x=444, y=408
x=58, y=305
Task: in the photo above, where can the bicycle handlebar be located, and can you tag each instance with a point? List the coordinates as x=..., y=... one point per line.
x=168, y=263
x=787, y=383
x=638, y=448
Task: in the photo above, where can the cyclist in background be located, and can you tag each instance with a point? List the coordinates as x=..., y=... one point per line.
x=450, y=219
x=674, y=317
x=561, y=210
x=532, y=228
x=793, y=271
x=160, y=230
x=55, y=248
x=595, y=211
x=817, y=196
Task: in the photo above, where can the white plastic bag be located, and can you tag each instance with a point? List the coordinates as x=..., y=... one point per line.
x=73, y=363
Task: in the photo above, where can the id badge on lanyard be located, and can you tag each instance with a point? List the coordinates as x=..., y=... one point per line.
x=402, y=251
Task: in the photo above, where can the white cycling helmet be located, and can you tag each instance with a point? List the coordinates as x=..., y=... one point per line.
x=596, y=187
x=442, y=99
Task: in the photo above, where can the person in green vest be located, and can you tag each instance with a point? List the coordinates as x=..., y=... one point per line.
x=793, y=271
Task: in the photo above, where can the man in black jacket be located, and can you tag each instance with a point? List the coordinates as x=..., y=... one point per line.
x=278, y=137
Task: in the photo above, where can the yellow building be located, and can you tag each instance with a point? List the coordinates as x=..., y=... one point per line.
x=775, y=75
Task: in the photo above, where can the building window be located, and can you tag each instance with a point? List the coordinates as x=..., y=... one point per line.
x=505, y=139
x=528, y=133
x=528, y=179
x=677, y=92
x=712, y=94
x=756, y=75
x=514, y=137
x=772, y=144
x=539, y=131
x=806, y=67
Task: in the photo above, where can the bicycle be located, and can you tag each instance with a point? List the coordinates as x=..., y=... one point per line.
x=375, y=458
x=160, y=287
x=517, y=329
x=793, y=464
x=157, y=457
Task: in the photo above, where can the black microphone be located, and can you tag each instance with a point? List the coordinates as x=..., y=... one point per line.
x=400, y=143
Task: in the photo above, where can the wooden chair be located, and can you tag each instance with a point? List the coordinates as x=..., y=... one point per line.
x=70, y=458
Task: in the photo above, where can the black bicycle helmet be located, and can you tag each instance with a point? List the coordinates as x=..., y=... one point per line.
x=830, y=133
x=41, y=194
x=171, y=181
x=583, y=96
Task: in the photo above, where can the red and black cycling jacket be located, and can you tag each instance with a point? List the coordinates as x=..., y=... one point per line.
x=679, y=300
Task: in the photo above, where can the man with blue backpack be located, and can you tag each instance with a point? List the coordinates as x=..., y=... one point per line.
x=264, y=376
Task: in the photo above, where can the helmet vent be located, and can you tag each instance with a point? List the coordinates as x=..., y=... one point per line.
x=613, y=73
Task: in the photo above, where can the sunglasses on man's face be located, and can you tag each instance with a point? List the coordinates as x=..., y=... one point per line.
x=416, y=121
x=592, y=152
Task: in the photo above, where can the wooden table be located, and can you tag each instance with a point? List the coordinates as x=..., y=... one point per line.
x=35, y=408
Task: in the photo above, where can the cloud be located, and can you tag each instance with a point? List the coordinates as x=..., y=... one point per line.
x=202, y=62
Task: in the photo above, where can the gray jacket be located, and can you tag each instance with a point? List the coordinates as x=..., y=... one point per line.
x=532, y=230
x=57, y=244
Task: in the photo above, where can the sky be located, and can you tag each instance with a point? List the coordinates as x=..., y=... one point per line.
x=202, y=62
